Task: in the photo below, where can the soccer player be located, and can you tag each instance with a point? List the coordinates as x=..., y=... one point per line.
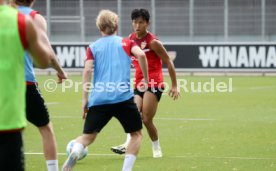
x=147, y=101
x=111, y=95
x=17, y=34
x=36, y=110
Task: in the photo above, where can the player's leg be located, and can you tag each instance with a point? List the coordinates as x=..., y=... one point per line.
x=80, y=144
x=37, y=114
x=128, y=115
x=135, y=142
x=138, y=100
x=11, y=152
x=121, y=149
x=132, y=150
x=49, y=146
x=150, y=104
x=97, y=117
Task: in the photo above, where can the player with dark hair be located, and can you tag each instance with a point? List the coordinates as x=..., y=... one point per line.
x=147, y=101
x=111, y=56
x=37, y=112
x=17, y=34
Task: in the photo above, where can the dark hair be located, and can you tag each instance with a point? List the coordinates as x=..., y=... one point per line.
x=24, y=2
x=144, y=13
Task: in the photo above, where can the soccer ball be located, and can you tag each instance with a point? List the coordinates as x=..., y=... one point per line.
x=69, y=149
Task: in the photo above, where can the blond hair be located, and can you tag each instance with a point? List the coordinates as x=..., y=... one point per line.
x=107, y=21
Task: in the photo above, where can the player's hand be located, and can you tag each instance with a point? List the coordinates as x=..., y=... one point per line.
x=61, y=76
x=174, y=93
x=145, y=82
x=84, y=108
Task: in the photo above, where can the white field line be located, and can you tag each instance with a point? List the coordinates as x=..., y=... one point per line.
x=254, y=88
x=64, y=154
x=228, y=157
x=187, y=119
x=261, y=87
x=52, y=103
x=209, y=157
x=172, y=119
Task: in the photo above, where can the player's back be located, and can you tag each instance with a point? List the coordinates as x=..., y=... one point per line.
x=111, y=70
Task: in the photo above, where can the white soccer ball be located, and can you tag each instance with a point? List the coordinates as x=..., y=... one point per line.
x=69, y=149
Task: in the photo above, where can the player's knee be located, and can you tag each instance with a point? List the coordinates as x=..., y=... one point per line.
x=137, y=136
x=147, y=121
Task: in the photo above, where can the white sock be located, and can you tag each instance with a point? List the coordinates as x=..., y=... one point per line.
x=129, y=162
x=155, y=144
x=52, y=165
x=127, y=140
x=77, y=148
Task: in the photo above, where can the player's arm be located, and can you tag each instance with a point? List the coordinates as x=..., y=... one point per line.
x=142, y=60
x=38, y=51
x=86, y=80
x=160, y=51
x=41, y=24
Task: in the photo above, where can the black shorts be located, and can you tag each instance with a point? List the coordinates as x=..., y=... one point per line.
x=11, y=152
x=126, y=112
x=155, y=91
x=36, y=111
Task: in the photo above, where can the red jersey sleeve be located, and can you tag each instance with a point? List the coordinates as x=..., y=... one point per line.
x=89, y=54
x=133, y=44
x=22, y=30
x=128, y=45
